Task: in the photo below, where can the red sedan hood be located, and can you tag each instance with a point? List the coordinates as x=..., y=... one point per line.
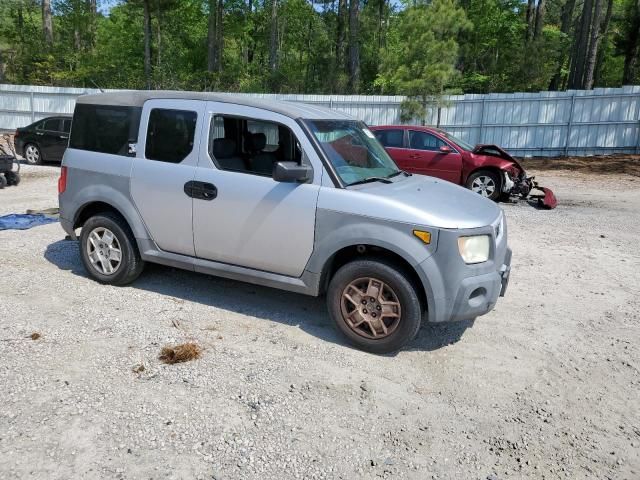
x=486, y=149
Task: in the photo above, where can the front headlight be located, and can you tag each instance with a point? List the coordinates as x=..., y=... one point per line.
x=474, y=249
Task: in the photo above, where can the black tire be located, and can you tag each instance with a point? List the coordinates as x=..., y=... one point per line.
x=488, y=176
x=130, y=266
x=33, y=159
x=3, y=182
x=411, y=311
x=13, y=178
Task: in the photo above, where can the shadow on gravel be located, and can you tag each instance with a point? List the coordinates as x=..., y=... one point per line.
x=308, y=313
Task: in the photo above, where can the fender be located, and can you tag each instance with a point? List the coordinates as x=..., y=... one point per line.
x=336, y=230
x=94, y=177
x=113, y=197
x=475, y=162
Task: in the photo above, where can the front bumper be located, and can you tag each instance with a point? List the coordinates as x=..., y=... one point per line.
x=478, y=295
x=456, y=291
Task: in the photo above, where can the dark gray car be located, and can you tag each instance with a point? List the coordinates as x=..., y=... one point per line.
x=44, y=140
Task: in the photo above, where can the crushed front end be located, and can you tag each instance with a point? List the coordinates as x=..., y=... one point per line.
x=516, y=182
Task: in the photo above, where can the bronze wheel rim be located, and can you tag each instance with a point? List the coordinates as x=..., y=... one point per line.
x=370, y=308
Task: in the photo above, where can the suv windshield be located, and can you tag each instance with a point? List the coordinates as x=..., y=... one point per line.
x=354, y=152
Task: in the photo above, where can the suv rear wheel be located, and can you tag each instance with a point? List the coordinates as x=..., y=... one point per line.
x=374, y=305
x=109, y=250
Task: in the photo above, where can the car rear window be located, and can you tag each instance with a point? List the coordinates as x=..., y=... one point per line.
x=105, y=128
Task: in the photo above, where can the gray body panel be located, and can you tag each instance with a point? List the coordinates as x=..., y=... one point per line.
x=157, y=188
x=285, y=235
x=254, y=221
x=418, y=200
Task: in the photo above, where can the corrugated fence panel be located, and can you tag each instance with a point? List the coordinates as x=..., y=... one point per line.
x=600, y=121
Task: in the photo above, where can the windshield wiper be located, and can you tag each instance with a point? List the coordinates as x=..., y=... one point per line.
x=370, y=179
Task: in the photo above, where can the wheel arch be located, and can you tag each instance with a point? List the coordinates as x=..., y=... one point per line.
x=102, y=205
x=373, y=251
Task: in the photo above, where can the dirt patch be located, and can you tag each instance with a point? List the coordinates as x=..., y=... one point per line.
x=602, y=164
x=35, y=336
x=180, y=353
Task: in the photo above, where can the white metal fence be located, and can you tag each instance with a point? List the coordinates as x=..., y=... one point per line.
x=600, y=121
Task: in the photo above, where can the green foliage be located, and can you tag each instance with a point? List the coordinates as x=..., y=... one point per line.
x=422, y=53
x=421, y=48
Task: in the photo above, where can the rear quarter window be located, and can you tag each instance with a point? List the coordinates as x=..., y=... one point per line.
x=105, y=128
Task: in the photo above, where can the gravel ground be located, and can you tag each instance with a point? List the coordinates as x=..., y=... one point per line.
x=545, y=386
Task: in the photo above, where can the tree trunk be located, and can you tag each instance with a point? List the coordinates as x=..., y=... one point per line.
x=220, y=33
x=565, y=28
x=603, y=34
x=381, y=8
x=214, y=36
x=540, y=11
x=354, y=48
x=92, y=7
x=147, y=42
x=249, y=39
x=632, y=50
x=531, y=5
x=273, y=40
x=341, y=34
x=594, y=43
x=582, y=45
x=158, y=34
x=47, y=23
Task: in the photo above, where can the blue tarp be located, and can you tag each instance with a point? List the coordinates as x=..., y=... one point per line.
x=17, y=221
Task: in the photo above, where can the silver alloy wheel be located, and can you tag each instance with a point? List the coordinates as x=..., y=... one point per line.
x=103, y=250
x=484, y=185
x=32, y=154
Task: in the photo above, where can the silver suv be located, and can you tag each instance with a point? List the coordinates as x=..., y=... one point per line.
x=285, y=195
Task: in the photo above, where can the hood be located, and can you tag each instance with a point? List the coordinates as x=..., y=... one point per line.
x=494, y=151
x=429, y=201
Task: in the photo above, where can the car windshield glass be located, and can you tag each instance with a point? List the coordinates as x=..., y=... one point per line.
x=461, y=143
x=353, y=150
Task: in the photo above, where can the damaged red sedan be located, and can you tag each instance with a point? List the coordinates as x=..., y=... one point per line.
x=485, y=169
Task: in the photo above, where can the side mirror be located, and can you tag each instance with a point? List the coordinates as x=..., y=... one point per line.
x=291, y=172
x=445, y=149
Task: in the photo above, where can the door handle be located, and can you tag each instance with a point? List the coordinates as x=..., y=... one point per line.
x=39, y=133
x=200, y=190
x=63, y=137
x=414, y=155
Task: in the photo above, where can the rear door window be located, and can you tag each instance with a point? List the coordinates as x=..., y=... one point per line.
x=424, y=141
x=66, y=125
x=170, y=134
x=390, y=138
x=51, y=125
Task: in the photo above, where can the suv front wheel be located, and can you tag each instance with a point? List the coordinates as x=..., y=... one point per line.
x=374, y=305
x=109, y=251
